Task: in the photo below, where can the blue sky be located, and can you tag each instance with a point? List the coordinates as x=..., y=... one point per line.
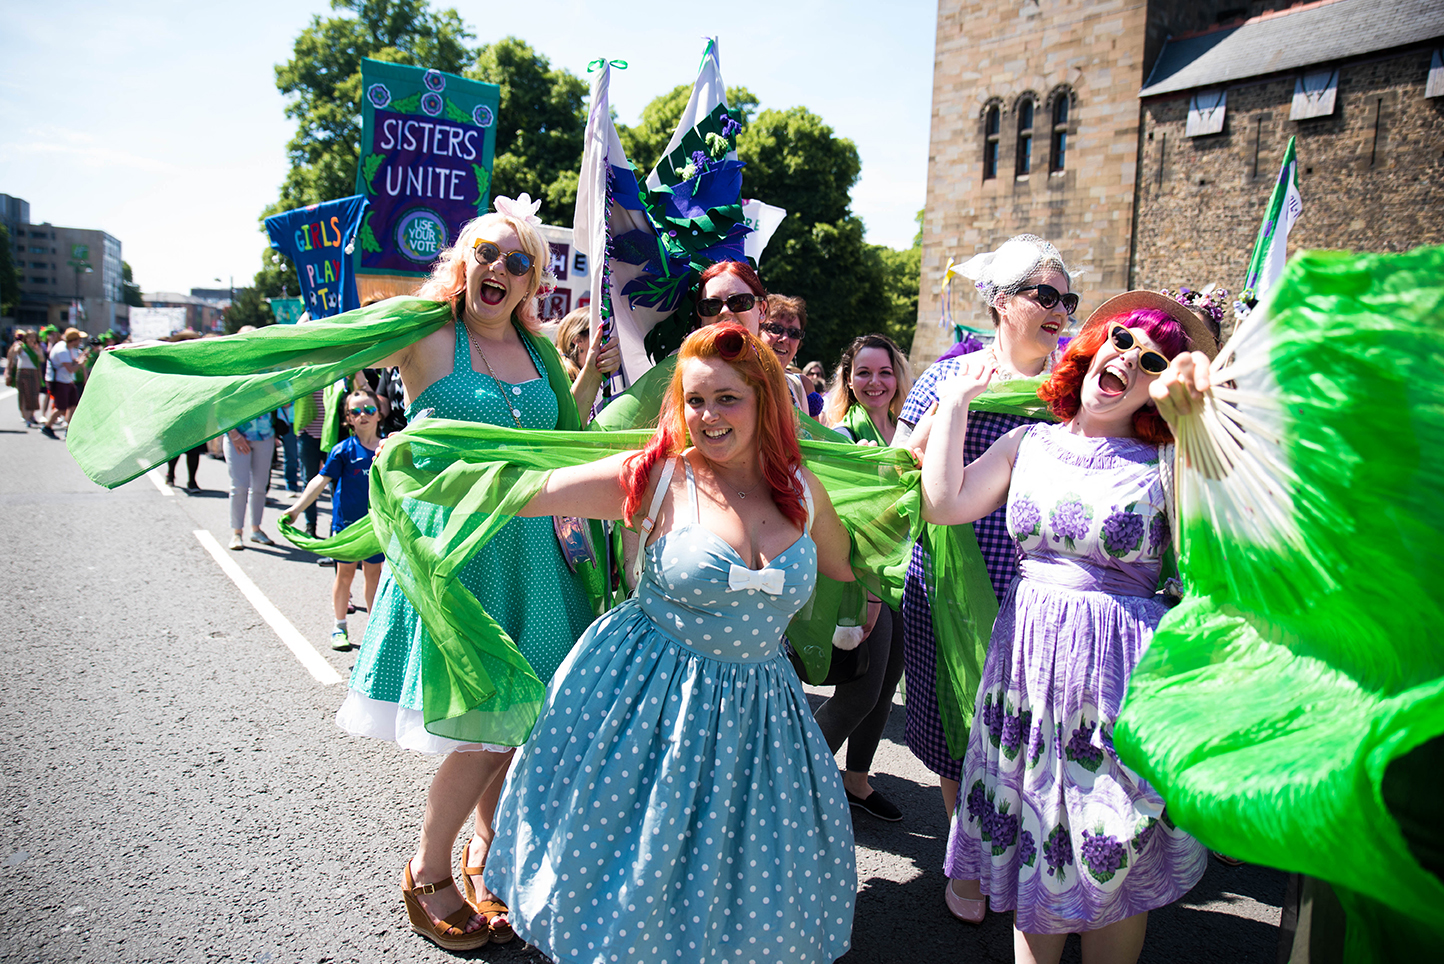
x=160, y=122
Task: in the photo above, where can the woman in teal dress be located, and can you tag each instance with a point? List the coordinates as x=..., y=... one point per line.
x=676, y=801
x=489, y=366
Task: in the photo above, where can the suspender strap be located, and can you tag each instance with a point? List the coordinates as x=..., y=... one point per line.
x=807, y=500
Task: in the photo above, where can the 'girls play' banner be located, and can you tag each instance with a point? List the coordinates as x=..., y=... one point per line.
x=318, y=240
x=426, y=150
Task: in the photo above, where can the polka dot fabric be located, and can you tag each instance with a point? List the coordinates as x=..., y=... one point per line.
x=544, y=620
x=676, y=801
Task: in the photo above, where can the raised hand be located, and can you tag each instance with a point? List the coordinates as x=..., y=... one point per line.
x=1179, y=391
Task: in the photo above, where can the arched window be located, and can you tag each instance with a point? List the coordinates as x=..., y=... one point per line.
x=1025, y=136
x=991, y=125
x=1058, y=150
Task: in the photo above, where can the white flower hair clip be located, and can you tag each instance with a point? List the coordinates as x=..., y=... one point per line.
x=523, y=209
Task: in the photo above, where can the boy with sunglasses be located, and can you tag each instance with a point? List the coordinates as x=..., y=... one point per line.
x=349, y=467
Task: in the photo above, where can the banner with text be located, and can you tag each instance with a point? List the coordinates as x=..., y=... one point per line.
x=427, y=140
x=317, y=239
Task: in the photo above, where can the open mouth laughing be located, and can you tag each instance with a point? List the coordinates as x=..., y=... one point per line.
x=492, y=293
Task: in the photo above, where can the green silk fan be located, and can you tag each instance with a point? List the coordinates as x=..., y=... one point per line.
x=1291, y=708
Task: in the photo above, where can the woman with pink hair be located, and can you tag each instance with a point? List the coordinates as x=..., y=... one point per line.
x=489, y=366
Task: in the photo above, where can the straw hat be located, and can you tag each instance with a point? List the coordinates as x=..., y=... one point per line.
x=1193, y=325
x=72, y=334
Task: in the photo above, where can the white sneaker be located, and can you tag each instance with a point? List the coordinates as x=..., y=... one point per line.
x=236, y=542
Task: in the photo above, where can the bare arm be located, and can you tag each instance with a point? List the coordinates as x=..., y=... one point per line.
x=592, y=491
x=952, y=492
x=834, y=545
x=602, y=359
x=308, y=495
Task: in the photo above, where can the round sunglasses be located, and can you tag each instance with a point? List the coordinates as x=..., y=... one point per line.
x=711, y=307
x=518, y=263
x=1048, y=296
x=1148, y=359
x=771, y=326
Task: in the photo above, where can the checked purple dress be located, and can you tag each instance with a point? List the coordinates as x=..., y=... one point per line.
x=1050, y=820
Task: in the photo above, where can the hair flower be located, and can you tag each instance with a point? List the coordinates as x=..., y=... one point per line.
x=523, y=208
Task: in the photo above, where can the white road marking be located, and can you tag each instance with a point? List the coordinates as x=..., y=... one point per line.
x=159, y=481
x=299, y=646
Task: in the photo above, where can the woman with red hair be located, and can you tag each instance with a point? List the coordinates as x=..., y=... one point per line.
x=676, y=801
x=1052, y=824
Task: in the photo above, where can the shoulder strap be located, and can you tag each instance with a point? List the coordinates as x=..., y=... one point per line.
x=692, y=492
x=807, y=500
x=663, y=484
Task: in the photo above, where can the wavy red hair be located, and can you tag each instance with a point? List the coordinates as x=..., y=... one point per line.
x=776, y=423
x=1063, y=391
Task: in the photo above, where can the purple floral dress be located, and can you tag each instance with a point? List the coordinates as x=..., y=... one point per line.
x=1050, y=821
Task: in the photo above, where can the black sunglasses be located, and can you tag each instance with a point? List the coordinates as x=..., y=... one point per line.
x=517, y=262
x=1048, y=296
x=711, y=307
x=794, y=333
x=363, y=410
x=1148, y=359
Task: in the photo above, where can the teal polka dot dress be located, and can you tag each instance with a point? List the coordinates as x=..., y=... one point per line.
x=519, y=577
x=676, y=801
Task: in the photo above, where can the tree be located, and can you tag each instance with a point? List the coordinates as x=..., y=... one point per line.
x=248, y=308
x=795, y=161
x=541, y=122
x=129, y=290
x=323, y=78
x=902, y=272
x=645, y=143
x=9, y=277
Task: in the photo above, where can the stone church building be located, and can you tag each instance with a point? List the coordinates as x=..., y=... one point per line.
x=1143, y=137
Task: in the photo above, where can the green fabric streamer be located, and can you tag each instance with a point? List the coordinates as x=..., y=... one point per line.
x=859, y=423
x=476, y=685
x=331, y=428
x=1291, y=709
x=145, y=404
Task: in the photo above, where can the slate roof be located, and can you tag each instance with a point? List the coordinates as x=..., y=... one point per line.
x=1317, y=34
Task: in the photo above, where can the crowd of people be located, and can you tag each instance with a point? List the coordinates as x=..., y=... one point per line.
x=677, y=798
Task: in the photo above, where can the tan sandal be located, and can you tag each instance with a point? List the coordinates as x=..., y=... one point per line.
x=501, y=932
x=451, y=933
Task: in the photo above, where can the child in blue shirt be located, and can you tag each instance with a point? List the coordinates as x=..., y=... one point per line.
x=349, y=467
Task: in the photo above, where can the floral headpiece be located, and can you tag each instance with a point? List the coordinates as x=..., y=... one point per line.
x=1212, y=301
x=523, y=209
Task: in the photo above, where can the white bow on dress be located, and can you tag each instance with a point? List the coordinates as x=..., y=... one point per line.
x=767, y=580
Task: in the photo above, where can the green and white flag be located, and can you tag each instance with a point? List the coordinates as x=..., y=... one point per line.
x=1270, y=251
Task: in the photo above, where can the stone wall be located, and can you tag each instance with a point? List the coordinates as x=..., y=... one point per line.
x=1200, y=199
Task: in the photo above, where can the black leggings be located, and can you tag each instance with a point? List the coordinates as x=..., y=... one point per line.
x=857, y=712
x=193, y=462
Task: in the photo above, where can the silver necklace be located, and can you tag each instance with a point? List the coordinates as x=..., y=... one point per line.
x=500, y=388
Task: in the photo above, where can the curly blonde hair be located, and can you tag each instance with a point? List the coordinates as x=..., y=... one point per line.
x=447, y=283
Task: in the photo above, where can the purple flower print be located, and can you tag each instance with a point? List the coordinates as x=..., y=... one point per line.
x=1103, y=856
x=1158, y=533
x=1070, y=520
x=1141, y=838
x=379, y=95
x=1013, y=729
x=1027, y=849
x=1002, y=830
x=1081, y=749
x=434, y=80
x=977, y=803
x=1035, y=746
x=432, y=103
x=1058, y=851
x=1122, y=533
x=992, y=718
x=1025, y=518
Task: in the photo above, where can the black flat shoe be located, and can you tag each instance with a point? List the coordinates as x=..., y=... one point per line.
x=877, y=805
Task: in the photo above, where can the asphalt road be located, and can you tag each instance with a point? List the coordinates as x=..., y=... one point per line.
x=173, y=787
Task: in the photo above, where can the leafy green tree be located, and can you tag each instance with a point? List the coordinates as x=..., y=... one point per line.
x=248, y=308
x=540, y=126
x=129, y=290
x=902, y=272
x=323, y=82
x=645, y=143
x=277, y=277
x=9, y=277
x=795, y=161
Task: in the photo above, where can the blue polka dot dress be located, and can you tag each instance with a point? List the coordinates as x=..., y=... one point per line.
x=676, y=800
x=544, y=619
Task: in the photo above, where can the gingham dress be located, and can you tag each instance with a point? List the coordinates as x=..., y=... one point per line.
x=924, y=728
